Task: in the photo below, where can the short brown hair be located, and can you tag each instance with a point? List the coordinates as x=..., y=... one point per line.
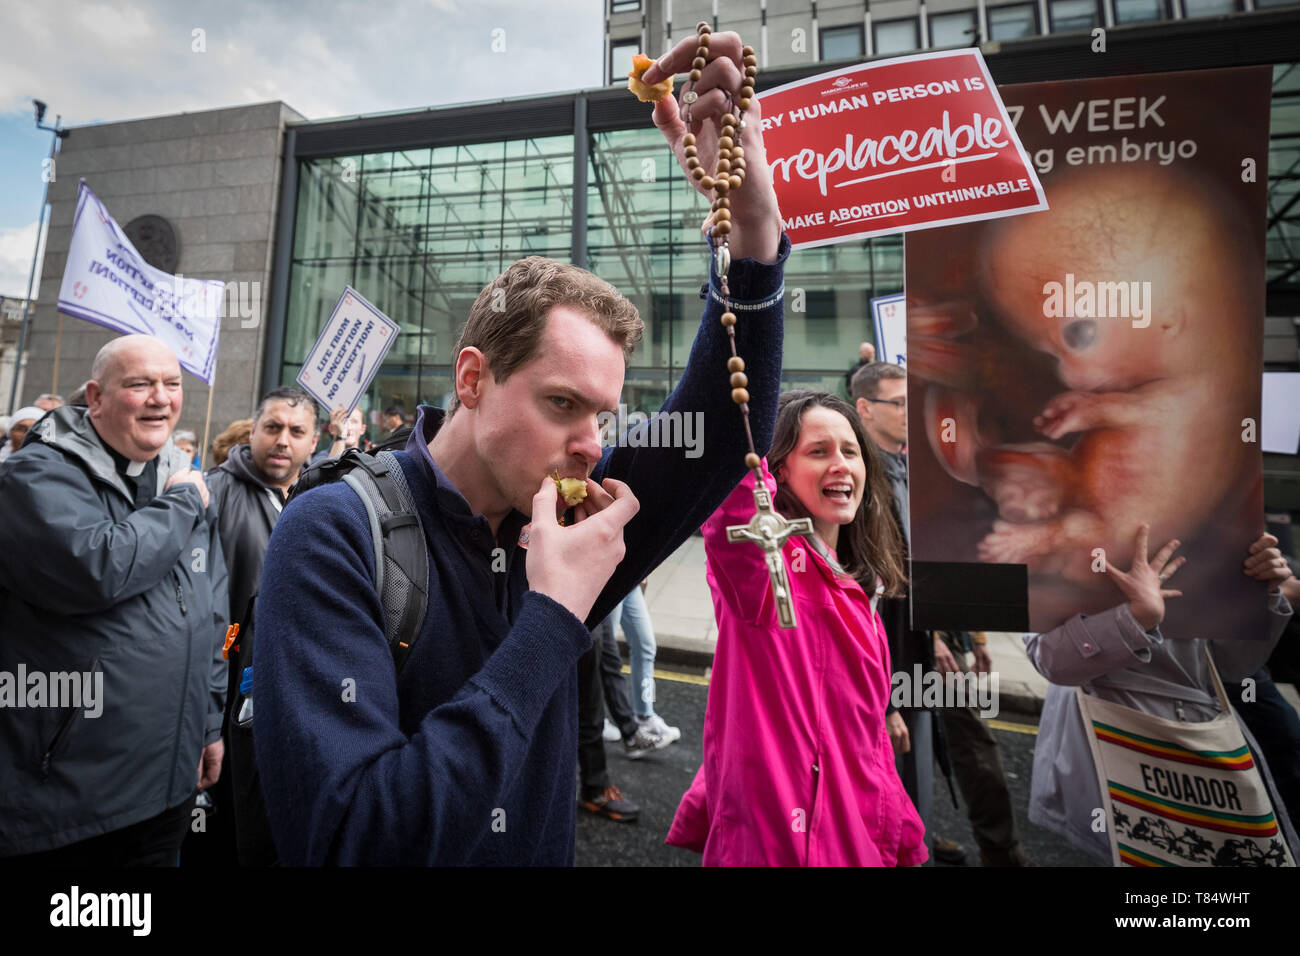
x=866, y=380
x=508, y=318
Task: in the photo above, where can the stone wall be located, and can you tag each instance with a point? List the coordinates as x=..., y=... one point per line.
x=215, y=176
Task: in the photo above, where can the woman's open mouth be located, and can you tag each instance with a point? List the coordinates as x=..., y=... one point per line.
x=840, y=491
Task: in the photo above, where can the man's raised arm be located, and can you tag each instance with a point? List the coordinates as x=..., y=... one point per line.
x=679, y=487
x=755, y=218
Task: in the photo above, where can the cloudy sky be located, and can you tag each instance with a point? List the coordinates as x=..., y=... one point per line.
x=97, y=62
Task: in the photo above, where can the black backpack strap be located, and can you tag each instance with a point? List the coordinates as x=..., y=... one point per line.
x=401, y=558
x=407, y=555
x=323, y=472
x=372, y=500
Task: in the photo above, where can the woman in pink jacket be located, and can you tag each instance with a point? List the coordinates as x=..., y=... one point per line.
x=798, y=768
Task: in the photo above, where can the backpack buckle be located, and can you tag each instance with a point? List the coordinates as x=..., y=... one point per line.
x=232, y=632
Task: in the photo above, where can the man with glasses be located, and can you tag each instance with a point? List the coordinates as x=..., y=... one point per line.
x=880, y=394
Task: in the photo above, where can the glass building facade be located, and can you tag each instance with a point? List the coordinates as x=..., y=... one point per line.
x=419, y=211
x=420, y=232
x=1282, y=239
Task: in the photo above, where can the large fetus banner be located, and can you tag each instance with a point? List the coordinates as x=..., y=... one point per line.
x=1077, y=372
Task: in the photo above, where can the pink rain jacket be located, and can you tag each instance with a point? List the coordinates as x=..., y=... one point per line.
x=798, y=768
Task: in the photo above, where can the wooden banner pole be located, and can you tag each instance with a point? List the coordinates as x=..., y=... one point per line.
x=58, y=343
x=207, y=419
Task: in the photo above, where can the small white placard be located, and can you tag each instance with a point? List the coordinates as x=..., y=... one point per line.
x=348, y=352
x=890, y=315
x=1279, y=428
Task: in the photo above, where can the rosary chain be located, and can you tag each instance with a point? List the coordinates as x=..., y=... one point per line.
x=728, y=176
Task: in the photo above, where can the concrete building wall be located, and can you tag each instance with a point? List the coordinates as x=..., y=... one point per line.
x=790, y=35
x=790, y=38
x=215, y=176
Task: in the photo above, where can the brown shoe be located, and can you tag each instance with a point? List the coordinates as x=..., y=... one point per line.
x=949, y=851
x=611, y=803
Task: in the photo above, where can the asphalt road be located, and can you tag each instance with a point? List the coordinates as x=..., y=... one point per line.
x=657, y=783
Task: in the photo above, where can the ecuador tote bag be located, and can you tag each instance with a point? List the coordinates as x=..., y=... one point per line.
x=1180, y=793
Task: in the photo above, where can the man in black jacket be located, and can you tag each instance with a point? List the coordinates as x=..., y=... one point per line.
x=112, y=592
x=396, y=430
x=866, y=355
x=956, y=736
x=248, y=492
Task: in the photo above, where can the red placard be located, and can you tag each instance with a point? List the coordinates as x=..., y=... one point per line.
x=903, y=144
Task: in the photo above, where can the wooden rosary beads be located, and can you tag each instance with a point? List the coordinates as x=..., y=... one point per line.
x=727, y=177
x=767, y=528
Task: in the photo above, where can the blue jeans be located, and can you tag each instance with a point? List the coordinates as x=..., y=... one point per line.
x=1277, y=731
x=633, y=614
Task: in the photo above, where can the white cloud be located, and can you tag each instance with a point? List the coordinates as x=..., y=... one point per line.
x=117, y=62
x=16, y=259
x=117, y=25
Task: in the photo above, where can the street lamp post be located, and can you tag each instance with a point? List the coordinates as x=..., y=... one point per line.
x=59, y=134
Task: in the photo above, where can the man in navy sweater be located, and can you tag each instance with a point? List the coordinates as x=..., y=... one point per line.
x=467, y=756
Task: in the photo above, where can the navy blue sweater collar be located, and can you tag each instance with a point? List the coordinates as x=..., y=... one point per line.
x=451, y=503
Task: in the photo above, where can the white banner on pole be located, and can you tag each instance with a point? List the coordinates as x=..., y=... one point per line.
x=106, y=281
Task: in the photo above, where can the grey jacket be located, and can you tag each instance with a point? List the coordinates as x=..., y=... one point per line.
x=896, y=471
x=1110, y=656
x=247, y=509
x=91, y=586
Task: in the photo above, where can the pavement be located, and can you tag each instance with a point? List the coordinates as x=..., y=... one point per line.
x=657, y=782
x=681, y=612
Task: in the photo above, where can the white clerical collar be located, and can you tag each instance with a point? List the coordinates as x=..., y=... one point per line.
x=133, y=468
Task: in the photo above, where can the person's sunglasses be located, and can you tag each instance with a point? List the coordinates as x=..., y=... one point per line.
x=896, y=402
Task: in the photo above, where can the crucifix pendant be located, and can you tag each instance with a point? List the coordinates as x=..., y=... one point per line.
x=769, y=531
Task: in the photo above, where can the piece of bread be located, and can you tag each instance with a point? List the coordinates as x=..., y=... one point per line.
x=645, y=92
x=572, y=490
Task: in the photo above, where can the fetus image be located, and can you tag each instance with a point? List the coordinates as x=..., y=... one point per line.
x=1096, y=367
